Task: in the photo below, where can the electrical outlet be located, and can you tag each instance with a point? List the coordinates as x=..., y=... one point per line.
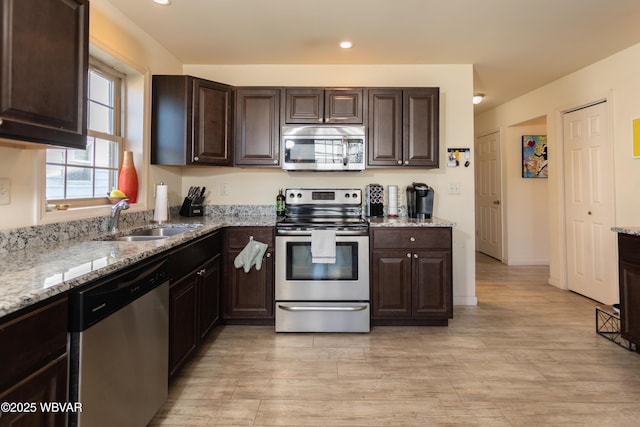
x=5, y=191
x=454, y=188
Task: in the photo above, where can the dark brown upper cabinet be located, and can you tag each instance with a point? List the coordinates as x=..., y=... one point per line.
x=319, y=105
x=191, y=121
x=257, y=126
x=45, y=53
x=403, y=127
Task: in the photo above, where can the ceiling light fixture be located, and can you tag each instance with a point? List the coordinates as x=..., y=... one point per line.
x=346, y=44
x=163, y=2
x=477, y=98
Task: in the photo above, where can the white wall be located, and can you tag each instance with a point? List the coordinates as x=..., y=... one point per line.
x=614, y=78
x=526, y=203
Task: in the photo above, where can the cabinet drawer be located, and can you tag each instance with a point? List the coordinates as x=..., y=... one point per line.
x=238, y=237
x=412, y=238
x=629, y=247
x=29, y=341
x=192, y=255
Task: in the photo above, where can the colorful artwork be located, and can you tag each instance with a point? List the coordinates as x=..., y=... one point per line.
x=534, y=156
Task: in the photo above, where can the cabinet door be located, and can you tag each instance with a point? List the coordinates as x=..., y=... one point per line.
x=211, y=126
x=257, y=126
x=183, y=334
x=209, y=298
x=629, y=281
x=420, y=127
x=48, y=384
x=44, y=92
x=304, y=105
x=385, y=127
x=391, y=283
x=343, y=106
x=431, y=284
x=249, y=295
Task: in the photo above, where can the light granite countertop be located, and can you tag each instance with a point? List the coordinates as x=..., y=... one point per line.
x=35, y=274
x=633, y=231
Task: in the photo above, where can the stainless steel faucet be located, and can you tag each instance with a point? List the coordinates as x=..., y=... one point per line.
x=122, y=205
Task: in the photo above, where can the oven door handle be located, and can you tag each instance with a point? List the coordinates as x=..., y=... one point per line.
x=321, y=308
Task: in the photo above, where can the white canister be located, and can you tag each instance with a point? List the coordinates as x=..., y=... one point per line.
x=393, y=200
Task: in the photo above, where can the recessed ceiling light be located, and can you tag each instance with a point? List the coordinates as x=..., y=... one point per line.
x=477, y=98
x=346, y=44
x=163, y=2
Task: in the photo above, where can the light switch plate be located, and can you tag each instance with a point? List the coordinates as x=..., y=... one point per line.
x=5, y=191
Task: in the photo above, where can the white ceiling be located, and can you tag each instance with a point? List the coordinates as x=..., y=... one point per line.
x=514, y=45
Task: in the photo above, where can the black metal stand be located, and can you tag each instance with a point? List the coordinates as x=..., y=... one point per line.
x=608, y=325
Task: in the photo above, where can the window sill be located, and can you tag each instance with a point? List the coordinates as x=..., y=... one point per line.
x=54, y=216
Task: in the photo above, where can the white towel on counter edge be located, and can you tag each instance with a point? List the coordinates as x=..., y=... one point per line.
x=323, y=246
x=251, y=255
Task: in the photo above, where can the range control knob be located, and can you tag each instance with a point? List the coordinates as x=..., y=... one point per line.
x=291, y=195
x=354, y=195
x=299, y=195
x=346, y=195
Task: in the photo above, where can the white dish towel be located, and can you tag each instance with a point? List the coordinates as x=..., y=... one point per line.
x=323, y=246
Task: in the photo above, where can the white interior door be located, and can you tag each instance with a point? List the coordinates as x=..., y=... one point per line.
x=591, y=252
x=488, y=195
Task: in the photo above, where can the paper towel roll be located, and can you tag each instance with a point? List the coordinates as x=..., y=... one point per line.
x=161, y=212
x=393, y=200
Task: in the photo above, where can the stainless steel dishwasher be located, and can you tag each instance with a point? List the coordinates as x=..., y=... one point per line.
x=120, y=347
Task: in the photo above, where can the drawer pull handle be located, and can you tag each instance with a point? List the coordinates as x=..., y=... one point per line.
x=321, y=308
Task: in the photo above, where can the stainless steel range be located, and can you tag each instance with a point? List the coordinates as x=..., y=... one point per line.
x=322, y=262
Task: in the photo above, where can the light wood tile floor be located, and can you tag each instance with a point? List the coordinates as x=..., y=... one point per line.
x=527, y=354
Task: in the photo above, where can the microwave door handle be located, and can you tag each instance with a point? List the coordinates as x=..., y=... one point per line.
x=345, y=146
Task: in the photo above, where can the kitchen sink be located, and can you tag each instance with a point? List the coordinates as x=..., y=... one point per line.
x=155, y=233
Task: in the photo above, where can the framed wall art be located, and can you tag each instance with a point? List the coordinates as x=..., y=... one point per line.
x=534, y=156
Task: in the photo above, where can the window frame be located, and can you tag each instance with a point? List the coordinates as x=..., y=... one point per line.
x=119, y=114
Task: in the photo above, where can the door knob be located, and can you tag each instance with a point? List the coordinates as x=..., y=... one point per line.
x=496, y=202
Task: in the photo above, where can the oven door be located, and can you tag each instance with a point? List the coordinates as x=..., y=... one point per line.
x=299, y=279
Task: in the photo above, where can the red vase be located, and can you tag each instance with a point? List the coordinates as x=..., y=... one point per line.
x=128, y=178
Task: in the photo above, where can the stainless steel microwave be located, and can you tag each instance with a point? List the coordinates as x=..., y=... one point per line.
x=323, y=148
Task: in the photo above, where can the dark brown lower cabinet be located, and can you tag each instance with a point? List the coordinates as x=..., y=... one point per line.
x=629, y=283
x=411, y=281
x=194, y=297
x=34, y=360
x=249, y=297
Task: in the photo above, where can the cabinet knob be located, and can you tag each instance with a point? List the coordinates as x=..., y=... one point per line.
x=268, y=254
x=320, y=120
x=196, y=159
x=415, y=256
x=589, y=212
x=0, y=121
x=201, y=272
x=408, y=255
x=399, y=162
x=275, y=162
x=413, y=239
x=406, y=162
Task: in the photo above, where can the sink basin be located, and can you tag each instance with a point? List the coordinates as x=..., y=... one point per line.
x=155, y=233
x=159, y=232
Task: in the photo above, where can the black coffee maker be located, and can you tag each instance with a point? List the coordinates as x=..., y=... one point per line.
x=419, y=200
